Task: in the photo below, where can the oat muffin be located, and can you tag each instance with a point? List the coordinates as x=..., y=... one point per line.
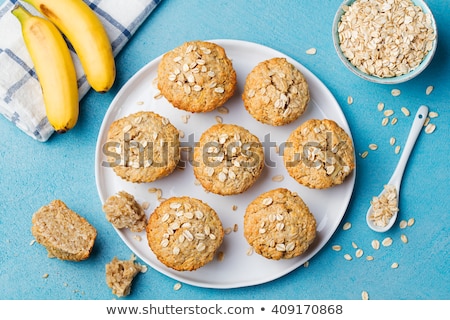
x=228, y=160
x=120, y=275
x=184, y=233
x=319, y=154
x=278, y=225
x=142, y=147
x=123, y=211
x=65, y=234
x=276, y=92
x=196, y=76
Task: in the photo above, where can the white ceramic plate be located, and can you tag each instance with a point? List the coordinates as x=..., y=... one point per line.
x=237, y=269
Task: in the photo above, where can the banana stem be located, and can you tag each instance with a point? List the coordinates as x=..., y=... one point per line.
x=20, y=12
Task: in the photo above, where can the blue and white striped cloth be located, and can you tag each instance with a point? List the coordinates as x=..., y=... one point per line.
x=20, y=93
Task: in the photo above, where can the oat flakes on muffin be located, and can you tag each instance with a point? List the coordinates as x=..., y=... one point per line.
x=123, y=211
x=142, y=147
x=184, y=233
x=228, y=159
x=279, y=225
x=276, y=92
x=196, y=76
x=63, y=232
x=319, y=154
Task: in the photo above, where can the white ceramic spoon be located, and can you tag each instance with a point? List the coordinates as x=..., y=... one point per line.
x=396, y=178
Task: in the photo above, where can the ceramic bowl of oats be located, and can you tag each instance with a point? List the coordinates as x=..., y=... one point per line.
x=385, y=41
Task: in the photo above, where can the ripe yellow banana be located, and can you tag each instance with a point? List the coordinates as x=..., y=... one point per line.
x=54, y=68
x=84, y=30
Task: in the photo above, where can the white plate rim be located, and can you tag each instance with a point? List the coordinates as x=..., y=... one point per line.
x=339, y=117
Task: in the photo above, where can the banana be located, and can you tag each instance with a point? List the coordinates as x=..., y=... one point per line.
x=54, y=68
x=84, y=30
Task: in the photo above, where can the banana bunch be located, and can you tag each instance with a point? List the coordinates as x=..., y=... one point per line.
x=51, y=56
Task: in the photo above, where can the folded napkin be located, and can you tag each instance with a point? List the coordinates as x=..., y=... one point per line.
x=20, y=93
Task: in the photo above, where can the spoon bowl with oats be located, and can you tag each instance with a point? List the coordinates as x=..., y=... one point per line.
x=383, y=209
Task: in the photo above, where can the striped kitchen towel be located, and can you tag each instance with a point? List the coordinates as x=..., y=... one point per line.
x=20, y=93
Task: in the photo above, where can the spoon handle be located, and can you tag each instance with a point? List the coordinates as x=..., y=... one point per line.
x=416, y=128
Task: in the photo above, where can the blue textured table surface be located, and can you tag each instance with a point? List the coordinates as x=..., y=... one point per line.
x=32, y=173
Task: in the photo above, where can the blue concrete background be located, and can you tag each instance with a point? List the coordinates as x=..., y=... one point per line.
x=32, y=173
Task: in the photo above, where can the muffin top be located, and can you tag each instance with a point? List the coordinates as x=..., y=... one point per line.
x=228, y=160
x=196, y=76
x=184, y=233
x=319, y=154
x=142, y=147
x=275, y=92
x=279, y=225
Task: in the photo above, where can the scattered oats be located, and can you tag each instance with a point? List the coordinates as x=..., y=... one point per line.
x=385, y=121
x=152, y=190
x=403, y=224
x=350, y=100
x=145, y=205
x=45, y=275
x=429, y=90
x=405, y=111
x=250, y=251
x=364, y=154
x=394, y=265
x=359, y=253
x=392, y=141
x=137, y=238
x=234, y=207
x=373, y=146
x=140, y=103
x=394, y=120
x=354, y=245
x=144, y=268
x=380, y=106
x=336, y=247
x=395, y=92
x=220, y=256
x=388, y=112
x=365, y=295
x=227, y=230
x=219, y=119
x=430, y=128
x=32, y=242
x=278, y=178
x=376, y=244
x=223, y=110
x=427, y=121
x=411, y=221
x=235, y=227
x=433, y=114
x=181, y=133
x=404, y=238
x=306, y=264
x=387, y=241
x=185, y=118
x=347, y=257
x=369, y=258
x=397, y=149
x=177, y=286
x=311, y=51
x=347, y=226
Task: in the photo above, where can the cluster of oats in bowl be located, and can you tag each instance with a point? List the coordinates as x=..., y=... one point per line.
x=385, y=41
